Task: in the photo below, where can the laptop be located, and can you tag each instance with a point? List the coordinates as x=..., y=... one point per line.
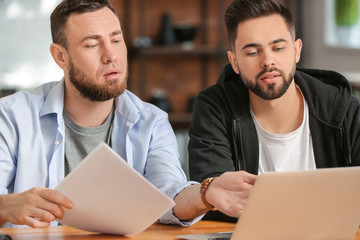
x=315, y=204
x=111, y=197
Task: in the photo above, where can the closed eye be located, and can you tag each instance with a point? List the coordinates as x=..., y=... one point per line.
x=279, y=48
x=91, y=46
x=252, y=53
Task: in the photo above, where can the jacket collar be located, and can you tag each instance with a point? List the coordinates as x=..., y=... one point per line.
x=328, y=94
x=236, y=93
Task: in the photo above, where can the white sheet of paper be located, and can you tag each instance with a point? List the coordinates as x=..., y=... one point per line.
x=111, y=197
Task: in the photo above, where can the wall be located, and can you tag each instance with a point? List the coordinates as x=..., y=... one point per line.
x=315, y=53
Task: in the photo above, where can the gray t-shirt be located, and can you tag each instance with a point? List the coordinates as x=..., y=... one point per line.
x=80, y=141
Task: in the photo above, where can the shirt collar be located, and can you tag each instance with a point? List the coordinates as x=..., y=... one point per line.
x=54, y=100
x=54, y=103
x=127, y=108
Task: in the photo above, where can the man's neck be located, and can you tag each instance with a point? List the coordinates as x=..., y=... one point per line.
x=87, y=113
x=282, y=115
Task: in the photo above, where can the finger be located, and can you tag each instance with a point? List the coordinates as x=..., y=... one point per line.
x=47, y=205
x=43, y=214
x=248, y=177
x=54, y=209
x=56, y=197
x=35, y=223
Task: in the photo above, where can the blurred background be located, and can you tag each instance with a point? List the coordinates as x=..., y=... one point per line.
x=176, y=48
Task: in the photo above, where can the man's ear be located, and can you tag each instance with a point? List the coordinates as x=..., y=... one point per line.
x=298, y=47
x=233, y=61
x=60, y=55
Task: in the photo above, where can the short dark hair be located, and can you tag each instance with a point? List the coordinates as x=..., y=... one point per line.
x=61, y=13
x=242, y=10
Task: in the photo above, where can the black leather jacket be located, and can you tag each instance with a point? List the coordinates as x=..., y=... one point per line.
x=223, y=136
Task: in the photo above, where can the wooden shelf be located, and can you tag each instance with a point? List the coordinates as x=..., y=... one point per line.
x=159, y=50
x=182, y=70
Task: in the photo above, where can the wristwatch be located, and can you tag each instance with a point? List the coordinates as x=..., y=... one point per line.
x=204, y=186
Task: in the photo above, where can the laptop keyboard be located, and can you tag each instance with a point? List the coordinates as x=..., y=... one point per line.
x=207, y=236
x=220, y=238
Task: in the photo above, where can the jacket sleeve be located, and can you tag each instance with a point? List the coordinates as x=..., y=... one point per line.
x=352, y=128
x=210, y=152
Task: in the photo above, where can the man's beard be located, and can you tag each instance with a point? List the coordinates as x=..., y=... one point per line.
x=92, y=90
x=269, y=92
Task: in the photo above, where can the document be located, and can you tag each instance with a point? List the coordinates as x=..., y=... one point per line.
x=111, y=197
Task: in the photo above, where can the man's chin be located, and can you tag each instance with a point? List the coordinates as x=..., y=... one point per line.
x=105, y=95
x=114, y=81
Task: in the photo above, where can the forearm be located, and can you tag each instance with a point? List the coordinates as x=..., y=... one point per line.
x=3, y=221
x=189, y=204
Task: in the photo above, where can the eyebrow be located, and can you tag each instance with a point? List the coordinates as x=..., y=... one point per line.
x=249, y=45
x=95, y=36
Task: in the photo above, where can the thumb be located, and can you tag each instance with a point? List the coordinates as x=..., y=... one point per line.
x=248, y=177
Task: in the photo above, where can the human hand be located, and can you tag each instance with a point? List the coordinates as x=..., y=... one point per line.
x=36, y=207
x=229, y=192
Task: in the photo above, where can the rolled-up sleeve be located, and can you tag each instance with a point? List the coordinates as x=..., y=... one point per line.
x=169, y=217
x=163, y=167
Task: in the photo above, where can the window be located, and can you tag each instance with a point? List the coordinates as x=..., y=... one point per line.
x=341, y=36
x=25, y=59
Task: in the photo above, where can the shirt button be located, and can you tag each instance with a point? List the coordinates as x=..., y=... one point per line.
x=57, y=143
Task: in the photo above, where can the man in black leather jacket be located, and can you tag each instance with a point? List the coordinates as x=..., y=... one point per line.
x=264, y=114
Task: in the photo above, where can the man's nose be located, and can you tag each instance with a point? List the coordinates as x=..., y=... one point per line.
x=268, y=60
x=109, y=54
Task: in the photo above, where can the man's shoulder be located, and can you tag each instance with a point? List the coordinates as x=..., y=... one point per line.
x=327, y=93
x=323, y=83
x=27, y=98
x=325, y=77
x=212, y=93
x=129, y=102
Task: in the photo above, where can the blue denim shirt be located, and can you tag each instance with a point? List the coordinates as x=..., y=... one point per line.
x=32, y=142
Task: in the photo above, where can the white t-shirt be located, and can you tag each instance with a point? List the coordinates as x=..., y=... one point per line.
x=286, y=152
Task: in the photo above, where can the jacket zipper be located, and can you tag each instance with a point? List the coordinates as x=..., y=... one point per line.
x=342, y=146
x=237, y=160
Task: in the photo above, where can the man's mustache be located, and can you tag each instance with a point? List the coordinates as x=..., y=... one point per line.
x=271, y=69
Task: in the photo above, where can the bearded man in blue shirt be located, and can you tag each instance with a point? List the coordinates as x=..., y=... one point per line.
x=47, y=131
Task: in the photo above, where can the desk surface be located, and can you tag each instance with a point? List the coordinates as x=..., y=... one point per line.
x=156, y=231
